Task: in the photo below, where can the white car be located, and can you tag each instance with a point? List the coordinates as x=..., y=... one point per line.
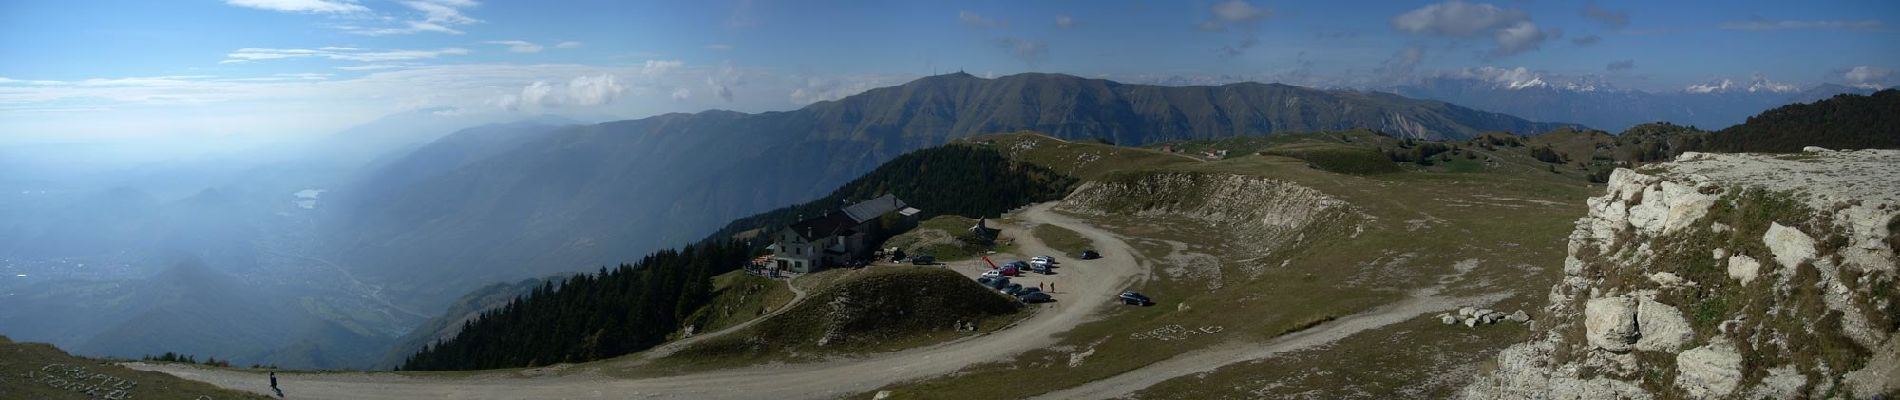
x=992, y=273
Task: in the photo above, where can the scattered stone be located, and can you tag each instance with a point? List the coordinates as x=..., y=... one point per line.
x=1743, y=268
x=1610, y=323
x=1661, y=327
x=881, y=395
x=1519, y=317
x=1720, y=253
x=1667, y=279
x=1710, y=371
x=1466, y=311
x=1814, y=149
x=1471, y=322
x=1781, y=383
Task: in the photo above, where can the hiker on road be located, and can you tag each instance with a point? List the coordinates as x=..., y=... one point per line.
x=273, y=384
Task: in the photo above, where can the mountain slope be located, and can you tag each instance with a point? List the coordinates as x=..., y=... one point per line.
x=585, y=196
x=1842, y=122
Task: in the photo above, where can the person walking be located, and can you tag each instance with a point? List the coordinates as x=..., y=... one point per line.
x=273, y=384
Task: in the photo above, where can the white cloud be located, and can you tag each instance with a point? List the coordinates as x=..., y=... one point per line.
x=1064, y=21
x=1761, y=24
x=1521, y=37
x=1510, y=29
x=568, y=45
x=337, y=53
x=719, y=47
x=1239, y=11
x=980, y=21
x=301, y=6
x=1457, y=18
x=518, y=46
x=660, y=67
x=581, y=91
x=682, y=94
x=1867, y=76
x=439, y=16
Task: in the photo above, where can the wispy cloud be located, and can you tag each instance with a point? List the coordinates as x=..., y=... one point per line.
x=301, y=6
x=1762, y=24
x=1613, y=18
x=517, y=46
x=568, y=45
x=440, y=16
x=978, y=20
x=1236, y=15
x=1867, y=76
x=1065, y=21
x=251, y=54
x=719, y=46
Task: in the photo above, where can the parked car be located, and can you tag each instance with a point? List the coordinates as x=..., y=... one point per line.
x=1089, y=255
x=1043, y=259
x=994, y=273
x=994, y=283
x=1035, y=297
x=1130, y=297
x=1012, y=289
x=923, y=259
x=1016, y=264
x=1008, y=270
x=1041, y=268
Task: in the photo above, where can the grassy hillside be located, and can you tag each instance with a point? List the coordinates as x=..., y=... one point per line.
x=41, y=371
x=738, y=297
x=947, y=237
x=859, y=311
x=1225, y=261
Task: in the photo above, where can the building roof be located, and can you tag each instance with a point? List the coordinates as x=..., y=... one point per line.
x=831, y=224
x=871, y=209
x=841, y=222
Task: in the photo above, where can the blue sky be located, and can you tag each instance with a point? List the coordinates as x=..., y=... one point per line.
x=116, y=69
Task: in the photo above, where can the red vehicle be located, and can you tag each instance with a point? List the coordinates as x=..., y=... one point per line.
x=1007, y=270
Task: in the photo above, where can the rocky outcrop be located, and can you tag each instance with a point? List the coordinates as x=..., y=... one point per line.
x=1724, y=276
x=1259, y=213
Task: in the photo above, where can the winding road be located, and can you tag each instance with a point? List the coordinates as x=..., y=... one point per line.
x=1088, y=289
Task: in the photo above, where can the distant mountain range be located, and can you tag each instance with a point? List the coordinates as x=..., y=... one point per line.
x=1711, y=106
x=504, y=203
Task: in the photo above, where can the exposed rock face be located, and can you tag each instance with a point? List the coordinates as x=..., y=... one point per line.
x=1710, y=371
x=1610, y=323
x=1750, y=275
x=1260, y=213
x=1661, y=326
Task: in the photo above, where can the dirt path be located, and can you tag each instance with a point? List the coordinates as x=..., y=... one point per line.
x=667, y=349
x=1210, y=359
x=1087, y=287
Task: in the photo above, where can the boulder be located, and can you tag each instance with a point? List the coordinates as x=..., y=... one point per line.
x=1466, y=311
x=1814, y=149
x=1710, y=371
x=1743, y=268
x=1720, y=253
x=1447, y=319
x=1666, y=279
x=1519, y=316
x=1791, y=247
x=1471, y=322
x=1661, y=327
x=1610, y=323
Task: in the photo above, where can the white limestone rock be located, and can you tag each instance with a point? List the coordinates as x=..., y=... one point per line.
x=1447, y=319
x=1791, y=247
x=1519, y=317
x=1708, y=372
x=1610, y=323
x=1661, y=327
x=1743, y=268
x=1782, y=383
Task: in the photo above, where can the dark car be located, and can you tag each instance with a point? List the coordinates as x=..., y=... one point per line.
x=923, y=259
x=1131, y=298
x=995, y=283
x=1012, y=289
x=1089, y=255
x=1035, y=297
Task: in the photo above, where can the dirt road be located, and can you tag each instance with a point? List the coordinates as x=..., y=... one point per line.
x=1209, y=359
x=1087, y=287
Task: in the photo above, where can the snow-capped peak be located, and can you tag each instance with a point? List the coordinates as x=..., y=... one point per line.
x=1756, y=84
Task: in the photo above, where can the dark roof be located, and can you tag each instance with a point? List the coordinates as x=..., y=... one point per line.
x=840, y=222
x=873, y=208
x=826, y=226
